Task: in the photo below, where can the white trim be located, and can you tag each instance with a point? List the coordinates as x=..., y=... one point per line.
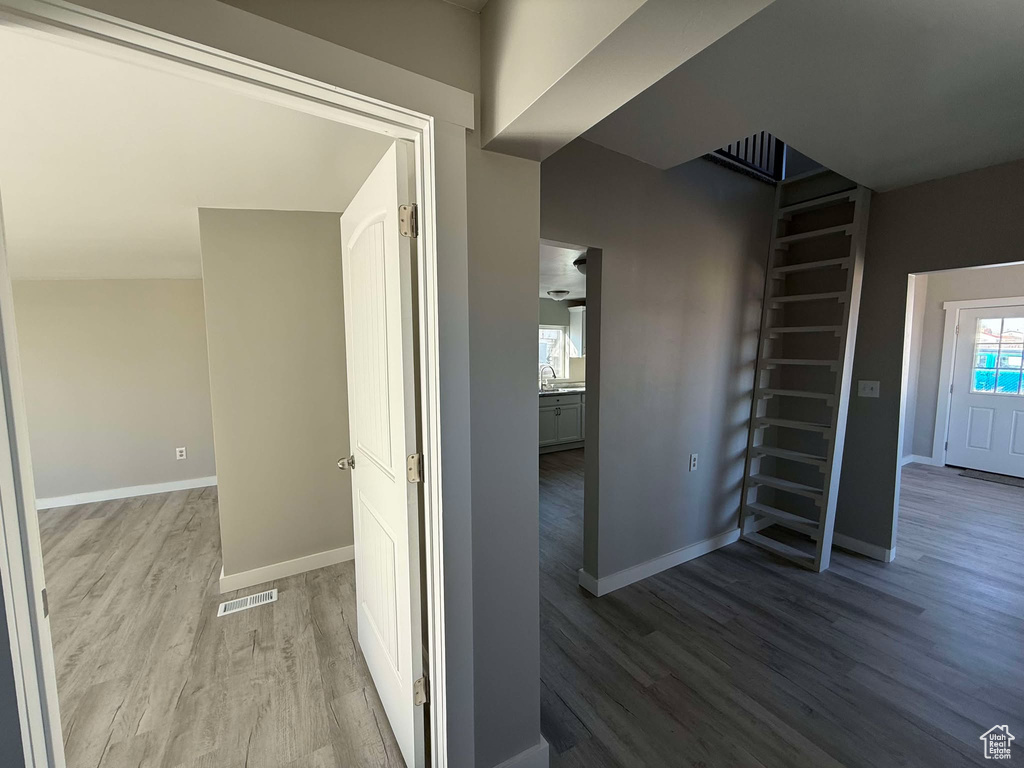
x=21, y=559
x=283, y=570
x=915, y=459
x=556, y=447
x=944, y=401
x=859, y=547
x=536, y=756
x=602, y=586
x=125, y=493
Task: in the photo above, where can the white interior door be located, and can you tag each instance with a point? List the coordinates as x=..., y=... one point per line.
x=986, y=413
x=379, y=277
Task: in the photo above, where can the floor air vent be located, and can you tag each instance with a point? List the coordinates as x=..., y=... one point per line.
x=243, y=603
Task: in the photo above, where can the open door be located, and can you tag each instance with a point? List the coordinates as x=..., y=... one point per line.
x=378, y=265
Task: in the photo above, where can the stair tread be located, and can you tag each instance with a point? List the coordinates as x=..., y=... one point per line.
x=786, y=453
x=788, y=519
x=796, y=393
x=780, y=549
x=809, y=297
x=782, y=484
x=769, y=421
x=814, y=233
x=807, y=266
x=817, y=202
x=805, y=329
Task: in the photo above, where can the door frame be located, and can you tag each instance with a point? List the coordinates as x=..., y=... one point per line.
x=21, y=565
x=949, y=338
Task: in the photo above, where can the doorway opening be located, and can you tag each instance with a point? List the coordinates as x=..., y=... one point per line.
x=568, y=382
x=257, y=227
x=962, y=425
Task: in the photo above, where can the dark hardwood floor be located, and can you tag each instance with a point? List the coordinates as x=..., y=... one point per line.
x=740, y=659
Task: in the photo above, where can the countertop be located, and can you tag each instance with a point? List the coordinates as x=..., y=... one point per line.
x=568, y=391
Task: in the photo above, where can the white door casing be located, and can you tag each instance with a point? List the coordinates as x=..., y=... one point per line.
x=986, y=413
x=379, y=283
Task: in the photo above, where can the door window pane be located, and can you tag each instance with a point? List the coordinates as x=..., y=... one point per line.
x=984, y=381
x=998, y=355
x=1008, y=382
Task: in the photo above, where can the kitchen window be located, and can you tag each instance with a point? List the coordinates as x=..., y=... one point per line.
x=553, y=351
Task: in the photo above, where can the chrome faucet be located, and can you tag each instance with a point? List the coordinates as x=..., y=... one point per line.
x=550, y=368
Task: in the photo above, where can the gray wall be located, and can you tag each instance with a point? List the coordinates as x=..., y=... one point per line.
x=504, y=272
x=961, y=221
x=116, y=378
x=276, y=327
x=10, y=727
x=553, y=312
x=682, y=276
x=958, y=285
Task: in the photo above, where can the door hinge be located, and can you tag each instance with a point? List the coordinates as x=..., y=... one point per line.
x=414, y=467
x=46, y=605
x=421, y=692
x=957, y=331
x=408, y=221
x=947, y=445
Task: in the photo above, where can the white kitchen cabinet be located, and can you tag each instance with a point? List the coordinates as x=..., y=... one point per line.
x=561, y=421
x=548, y=424
x=569, y=423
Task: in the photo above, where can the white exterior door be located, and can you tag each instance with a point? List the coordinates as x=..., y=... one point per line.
x=986, y=414
x=379, y=278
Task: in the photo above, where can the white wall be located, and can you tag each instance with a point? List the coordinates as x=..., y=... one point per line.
x=682, y=276
x=116, y=378
x=438, y=39
x=467, y=605
x=529, y=46
x=276, y=329
x=955, y=285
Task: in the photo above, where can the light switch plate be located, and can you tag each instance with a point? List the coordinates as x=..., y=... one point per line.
x=868, y=388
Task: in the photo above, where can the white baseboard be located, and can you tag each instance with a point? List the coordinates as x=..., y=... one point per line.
x=282, y=570
x=873, y=551
x=602, y=586
x=914, y=459
x=563, y=446
x=125, y=493
x=535, y=757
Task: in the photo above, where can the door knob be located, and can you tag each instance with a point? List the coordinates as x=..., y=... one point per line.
x=349, y=462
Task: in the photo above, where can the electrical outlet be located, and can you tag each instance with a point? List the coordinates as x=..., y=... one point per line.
x=868, y=388
x=693, y=461
x=179, y=453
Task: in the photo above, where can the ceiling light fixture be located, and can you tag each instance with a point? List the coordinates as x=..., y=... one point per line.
x=558, y=295
x=581, y=263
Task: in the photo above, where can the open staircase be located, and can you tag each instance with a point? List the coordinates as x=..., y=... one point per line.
x=804, y=364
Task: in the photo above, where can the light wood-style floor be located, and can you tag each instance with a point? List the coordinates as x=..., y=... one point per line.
x=740, y=659
x=149, y=677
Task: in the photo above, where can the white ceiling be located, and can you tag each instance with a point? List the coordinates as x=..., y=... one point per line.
x=557, y=272
x=104, y=164
x=887, y=92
